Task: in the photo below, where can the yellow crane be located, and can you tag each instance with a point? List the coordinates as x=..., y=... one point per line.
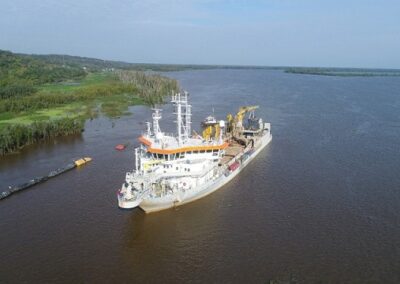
x=207, y=132
x=237, y=121
x=229, y=122
x=242, y=111
x=211, y=130
x=217, y=131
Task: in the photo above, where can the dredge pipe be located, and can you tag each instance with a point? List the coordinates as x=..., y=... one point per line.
x=36, y=180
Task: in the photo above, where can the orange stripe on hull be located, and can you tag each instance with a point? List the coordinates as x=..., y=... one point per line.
x=181, y=150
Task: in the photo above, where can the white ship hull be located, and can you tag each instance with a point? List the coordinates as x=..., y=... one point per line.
x=156, y=204
x=174, y=170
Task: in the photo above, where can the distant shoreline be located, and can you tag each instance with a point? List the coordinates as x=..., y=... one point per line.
x=344, y=72
x=101, y=64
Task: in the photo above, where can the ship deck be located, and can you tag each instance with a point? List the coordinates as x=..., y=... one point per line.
x=232, y=151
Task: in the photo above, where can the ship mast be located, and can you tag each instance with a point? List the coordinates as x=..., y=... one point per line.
x=183, y=116
x=156, y=125
x=188, y=116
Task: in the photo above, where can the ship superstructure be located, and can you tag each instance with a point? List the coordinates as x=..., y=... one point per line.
x=171, y=170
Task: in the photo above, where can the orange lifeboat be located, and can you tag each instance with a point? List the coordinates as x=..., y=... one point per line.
x=120, y=147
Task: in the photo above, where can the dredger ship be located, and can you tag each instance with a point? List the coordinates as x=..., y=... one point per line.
x=172, y=170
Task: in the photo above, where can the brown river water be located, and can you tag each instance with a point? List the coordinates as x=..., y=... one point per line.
x=321, y=204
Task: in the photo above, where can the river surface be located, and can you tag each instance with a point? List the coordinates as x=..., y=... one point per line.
x=321, y=204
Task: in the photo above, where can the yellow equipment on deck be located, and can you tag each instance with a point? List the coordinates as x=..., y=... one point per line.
x=217, y=131
x=207, y=132
x=211, y=130
x=242, y=111
x=237, y=121
x=229, y=120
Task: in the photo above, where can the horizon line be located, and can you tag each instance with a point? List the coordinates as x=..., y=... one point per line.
x=250, y=66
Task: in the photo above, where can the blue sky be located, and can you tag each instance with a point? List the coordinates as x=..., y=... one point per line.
x=352, y=33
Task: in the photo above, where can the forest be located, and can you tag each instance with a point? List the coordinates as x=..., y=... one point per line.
x=20, y=74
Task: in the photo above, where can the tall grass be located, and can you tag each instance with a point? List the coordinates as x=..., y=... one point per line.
x=14, y=137
x=47, y=100
x=114, y=92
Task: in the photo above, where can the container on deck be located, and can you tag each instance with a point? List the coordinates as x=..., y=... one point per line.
x=234, y=166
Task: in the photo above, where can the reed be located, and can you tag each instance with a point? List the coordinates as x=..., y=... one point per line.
x=14, y=137
x=31, y=115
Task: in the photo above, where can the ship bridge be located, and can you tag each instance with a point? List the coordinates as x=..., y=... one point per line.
x=157, y=142
x=170, y=145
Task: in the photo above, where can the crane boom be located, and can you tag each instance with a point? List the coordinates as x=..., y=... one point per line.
x=242, y=111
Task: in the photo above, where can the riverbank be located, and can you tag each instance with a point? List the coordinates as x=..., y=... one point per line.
x=29, y=119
